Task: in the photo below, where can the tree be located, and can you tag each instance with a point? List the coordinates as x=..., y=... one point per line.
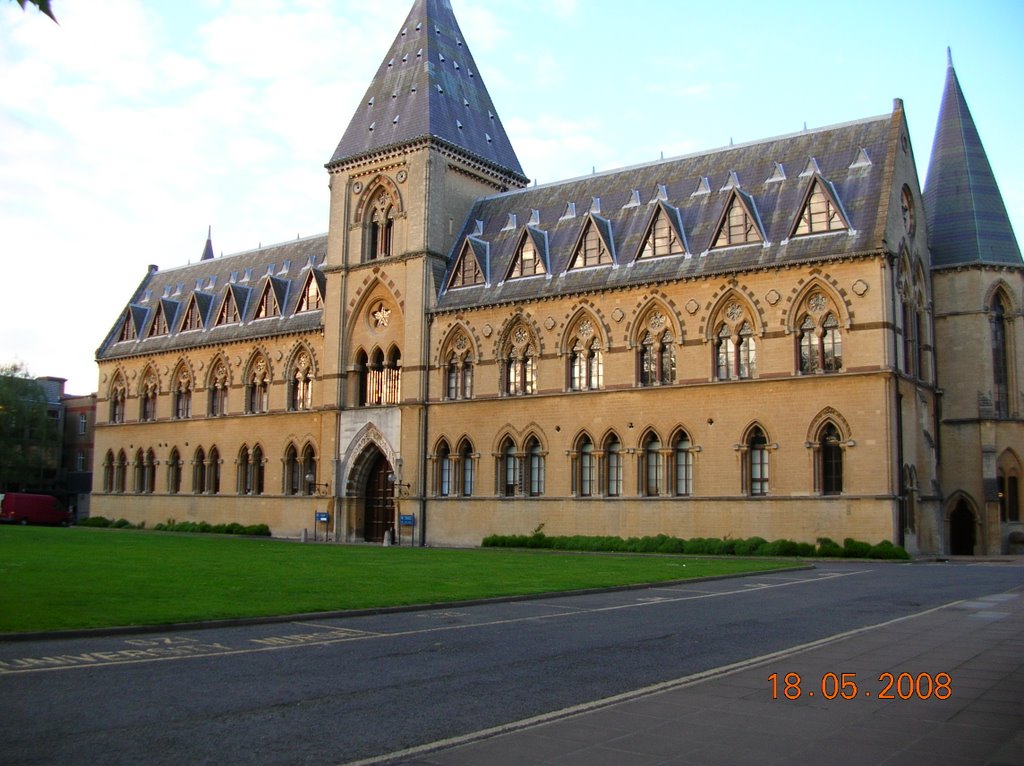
x=42, y=5
x=29, y=436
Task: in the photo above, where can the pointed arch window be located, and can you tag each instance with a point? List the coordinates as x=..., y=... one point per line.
x=651, y=466
x=139, y=484
x=381, y=378
x=586, y=359
x=118, y=394
x=147, y=395
x=251, y=471
x=183, y=395
x=310, y=299
x=585, y=477
x=444, y=469
x=380, y=228
x=467, y=270
x=738, y=226
x=1000, y=358
x=218, y=391
x=591, y=250
x=121, y=472
x=199, y=471
x=292, y=471
x=830, y=460
x=518, y=367
x=911, y=350
x=613, y=466
x=108, y=472
x=213, y=472
x=735, y=349
x=820, y=213
x=820, y=339
x=300, y=383
x=467, y=468
x=1008, y=484
x=458, y=369
x=662, y=238
x=174, y=472
x=756, y=463
x=535, y=456
x=656, y=362
x=309, y=468
x=257, y=388
x=682, y=465
x=527, y=261
x=509, y=469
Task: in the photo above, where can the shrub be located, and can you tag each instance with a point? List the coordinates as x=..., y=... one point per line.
x=701, y=546
x=829, y=548
x=750, y=546
x=122, y=524
x=94, y=521
x=855, y=549
x=886, y=550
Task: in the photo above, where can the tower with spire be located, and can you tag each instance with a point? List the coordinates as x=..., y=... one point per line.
x=978, y=281
x=424, y=143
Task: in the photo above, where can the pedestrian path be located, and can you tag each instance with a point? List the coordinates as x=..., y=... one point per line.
x=944, y=687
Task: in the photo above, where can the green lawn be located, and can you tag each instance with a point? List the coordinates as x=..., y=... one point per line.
x=54, y=578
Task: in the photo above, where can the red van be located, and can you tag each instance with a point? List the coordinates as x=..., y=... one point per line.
x=20, y=508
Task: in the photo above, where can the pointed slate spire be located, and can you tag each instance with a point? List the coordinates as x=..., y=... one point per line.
x=208, y=250
x=967, y=220
x=429, y=77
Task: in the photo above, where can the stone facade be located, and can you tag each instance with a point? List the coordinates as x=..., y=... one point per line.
x=745, y=342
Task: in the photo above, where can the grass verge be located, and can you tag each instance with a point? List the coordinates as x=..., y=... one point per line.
x=57, y=579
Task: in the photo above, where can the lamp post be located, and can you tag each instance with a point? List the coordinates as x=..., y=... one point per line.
x=319, y=516
x=401, y=489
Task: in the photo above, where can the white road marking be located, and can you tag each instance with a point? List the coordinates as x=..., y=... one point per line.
x=164, y=649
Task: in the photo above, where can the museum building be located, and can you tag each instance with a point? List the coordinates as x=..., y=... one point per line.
x=784, y=338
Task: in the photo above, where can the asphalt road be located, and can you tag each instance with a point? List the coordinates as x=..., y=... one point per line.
x=344, y=689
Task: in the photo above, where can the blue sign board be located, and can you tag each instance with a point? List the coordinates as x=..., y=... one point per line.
x=407, y=521
x=322, y=516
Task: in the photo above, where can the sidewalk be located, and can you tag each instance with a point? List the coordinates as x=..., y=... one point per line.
x=729, y=717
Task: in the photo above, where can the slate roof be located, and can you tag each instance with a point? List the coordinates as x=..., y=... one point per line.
x=772, y=176
x=284, y=268
x=967, y=220
x=428, y=85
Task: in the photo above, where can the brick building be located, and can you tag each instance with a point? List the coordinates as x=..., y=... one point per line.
x=781, y=338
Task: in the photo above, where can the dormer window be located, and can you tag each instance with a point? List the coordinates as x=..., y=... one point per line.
x=527, y=261
x=467, y=270
x=310, y=299
x=591, y=249
x=662, y=238
x=228, y=310
x=738, y=226
x=821, y=213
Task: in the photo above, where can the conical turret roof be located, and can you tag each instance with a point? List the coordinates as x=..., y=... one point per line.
x=967, y=220
x=428, y=85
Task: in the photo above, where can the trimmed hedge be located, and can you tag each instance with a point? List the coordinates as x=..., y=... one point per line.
x=256, y=530
x=706, y=546
x=234, y=528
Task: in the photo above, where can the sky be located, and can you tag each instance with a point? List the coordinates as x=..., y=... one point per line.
x=131, y=127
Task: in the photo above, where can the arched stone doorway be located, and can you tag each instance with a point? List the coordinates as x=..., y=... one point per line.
x=962, y=529
x=378, y=501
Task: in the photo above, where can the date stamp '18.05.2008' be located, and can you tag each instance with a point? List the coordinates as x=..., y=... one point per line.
x=846, y=686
